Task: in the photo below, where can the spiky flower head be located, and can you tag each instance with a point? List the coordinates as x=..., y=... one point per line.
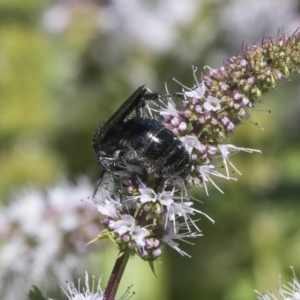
x=90, y=291
x=147, y=211
x=291, y=291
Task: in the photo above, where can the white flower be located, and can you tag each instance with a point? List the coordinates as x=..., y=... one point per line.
x=184, y=209
x=149, y=195
x=212, y=104
x=146, y=195
x=171, y=234
x=74, y=293
x=170, y=110
x=138, y=234
x=52, y=219
x=197, y=92
x=290, y=292
x=227, y=149
x=127, y=225
x=124, y=225
x=109, y=208
x=181, y=209
x=166, y=197
x=191, y=142
x=206, y=172
x=85, y=293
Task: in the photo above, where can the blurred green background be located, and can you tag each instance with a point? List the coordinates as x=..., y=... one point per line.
x=66, y=66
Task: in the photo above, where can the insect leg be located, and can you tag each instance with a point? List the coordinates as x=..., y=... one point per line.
x=98, y=184
x=139, y=109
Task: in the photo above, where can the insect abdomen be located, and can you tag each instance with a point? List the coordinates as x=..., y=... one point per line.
x=158, y=146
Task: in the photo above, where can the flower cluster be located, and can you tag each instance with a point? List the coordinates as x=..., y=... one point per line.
x=290, y=292
x=146, y=210
x=144, y=220
x=45, y=234
x=213, y=108
x=202, y=126
x=86, y=293
x=152, y=211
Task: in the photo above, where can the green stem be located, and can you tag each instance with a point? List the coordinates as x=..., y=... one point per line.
x=116, y=275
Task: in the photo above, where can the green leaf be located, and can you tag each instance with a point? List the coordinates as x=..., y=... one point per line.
x=104, y=234
x=35, y=294
x=151, y=264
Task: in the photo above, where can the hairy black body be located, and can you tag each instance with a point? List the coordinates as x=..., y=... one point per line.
x=123, y=141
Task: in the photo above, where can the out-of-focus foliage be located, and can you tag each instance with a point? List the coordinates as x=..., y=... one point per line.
x=35, y=294
x=65, y=66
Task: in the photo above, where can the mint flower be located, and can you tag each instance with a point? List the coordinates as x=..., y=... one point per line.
x=212, y=104
x=109, y=208
x=285, y=292
x=38, y=224
x=226, y=150
x=145, y=231
x=127, y=226
x=204, y=118
x=147, y=211
x=217, y=104
x=79, y=293
x=86, y=293
x=171, y=233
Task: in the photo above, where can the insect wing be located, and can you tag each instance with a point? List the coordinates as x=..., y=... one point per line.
x=123, y=111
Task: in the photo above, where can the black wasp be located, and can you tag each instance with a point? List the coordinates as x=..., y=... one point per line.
x=124, y=141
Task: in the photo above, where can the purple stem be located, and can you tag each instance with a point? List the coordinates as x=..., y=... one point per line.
x=116, y=275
